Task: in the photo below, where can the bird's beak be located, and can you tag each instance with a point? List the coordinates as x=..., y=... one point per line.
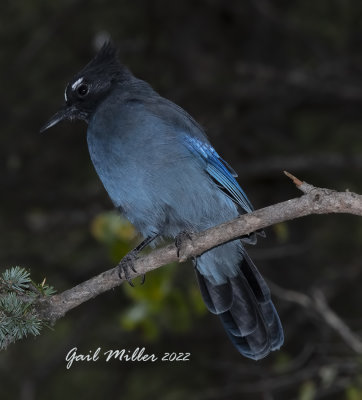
x=65, y=113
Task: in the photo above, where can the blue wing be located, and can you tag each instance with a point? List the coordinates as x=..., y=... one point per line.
x=219, y=170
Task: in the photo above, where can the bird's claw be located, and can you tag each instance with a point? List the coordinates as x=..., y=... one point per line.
x=127, y=264
x=180, y=240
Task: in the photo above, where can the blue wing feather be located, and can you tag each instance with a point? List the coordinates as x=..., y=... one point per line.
x=219, y=170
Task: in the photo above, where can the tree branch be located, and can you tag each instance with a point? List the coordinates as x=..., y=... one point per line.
x=317, y=303
x=314, y=201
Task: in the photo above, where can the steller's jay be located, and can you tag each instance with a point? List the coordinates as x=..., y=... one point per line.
x=162, y=173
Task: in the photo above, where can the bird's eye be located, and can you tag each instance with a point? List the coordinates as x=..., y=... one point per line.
x=82, y=90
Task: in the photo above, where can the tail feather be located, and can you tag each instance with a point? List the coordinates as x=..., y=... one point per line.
x=246, y=311
x=218, y=298
x=242, y=311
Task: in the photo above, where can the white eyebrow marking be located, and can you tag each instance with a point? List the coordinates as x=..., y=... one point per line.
x=77, y=83
x=65, y=93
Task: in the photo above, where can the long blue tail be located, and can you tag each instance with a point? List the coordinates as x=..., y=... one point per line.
x=246, y=310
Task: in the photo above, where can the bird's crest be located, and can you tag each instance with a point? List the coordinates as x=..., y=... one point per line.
x=105, y=62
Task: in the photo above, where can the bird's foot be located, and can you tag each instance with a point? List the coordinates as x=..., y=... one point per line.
x=127, y=264
x=181, y=242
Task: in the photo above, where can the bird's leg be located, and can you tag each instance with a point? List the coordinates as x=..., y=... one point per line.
x=128, y=260
x=180, y=240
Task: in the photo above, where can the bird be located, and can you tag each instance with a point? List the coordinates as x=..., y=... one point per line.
x=162, y=173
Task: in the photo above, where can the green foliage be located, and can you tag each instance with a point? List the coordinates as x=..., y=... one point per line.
x=307, y=391
x=18, y=294
x=158, y=304
x=282, y=362
x=15, y=278
x=354, y=393
x=282, y=232
x=115, y=232
x=161, y=304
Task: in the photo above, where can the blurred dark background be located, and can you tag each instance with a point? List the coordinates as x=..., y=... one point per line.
x=278, y=86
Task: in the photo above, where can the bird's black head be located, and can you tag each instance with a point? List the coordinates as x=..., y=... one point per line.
x=90, y=86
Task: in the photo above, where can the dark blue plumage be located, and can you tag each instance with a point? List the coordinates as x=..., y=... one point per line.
x=162, y=173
